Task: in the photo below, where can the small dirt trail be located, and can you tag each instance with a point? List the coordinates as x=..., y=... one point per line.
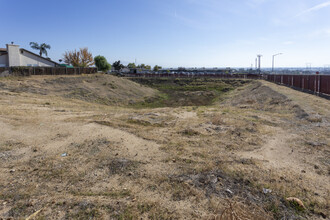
x=276, y=152
x=279, y=154
x=299, y=146
x=310, y=103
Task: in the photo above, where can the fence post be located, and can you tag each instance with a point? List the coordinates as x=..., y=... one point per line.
x=319, y=84
x=315, y=84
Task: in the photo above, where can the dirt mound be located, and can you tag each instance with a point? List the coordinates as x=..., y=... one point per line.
x=103, y=89
x=261, y=97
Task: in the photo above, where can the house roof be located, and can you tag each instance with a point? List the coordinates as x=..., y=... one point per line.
x=48, y=59
x=3, y=51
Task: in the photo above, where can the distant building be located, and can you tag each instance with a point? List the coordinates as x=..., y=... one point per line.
x=12, y=55
x=125, y=70
x=140, y=71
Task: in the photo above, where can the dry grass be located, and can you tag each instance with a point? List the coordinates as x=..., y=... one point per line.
x=235, y=210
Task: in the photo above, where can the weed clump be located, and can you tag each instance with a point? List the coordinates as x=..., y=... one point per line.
x=189, y=132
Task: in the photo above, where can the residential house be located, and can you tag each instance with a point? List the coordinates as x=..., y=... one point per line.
x=12, y=55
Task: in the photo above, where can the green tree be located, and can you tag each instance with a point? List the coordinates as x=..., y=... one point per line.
x=117, y=65
x=101, y=63
x=157, y=68
x=142, y=66
x=131, y=66
x=42, y=47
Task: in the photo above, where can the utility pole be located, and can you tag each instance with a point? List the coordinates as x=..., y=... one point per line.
x=259, y=62
x=273, y=60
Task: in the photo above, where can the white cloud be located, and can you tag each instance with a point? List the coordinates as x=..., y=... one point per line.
x=315, y=8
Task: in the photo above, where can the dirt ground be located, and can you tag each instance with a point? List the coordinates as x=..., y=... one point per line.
x=84, y=147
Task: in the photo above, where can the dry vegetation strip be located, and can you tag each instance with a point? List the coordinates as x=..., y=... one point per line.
x=68, y=156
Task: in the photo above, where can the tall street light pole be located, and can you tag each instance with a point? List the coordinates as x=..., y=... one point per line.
x=273, y=60
x=259, y=63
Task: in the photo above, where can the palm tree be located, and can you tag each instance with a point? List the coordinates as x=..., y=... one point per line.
x=42, y=47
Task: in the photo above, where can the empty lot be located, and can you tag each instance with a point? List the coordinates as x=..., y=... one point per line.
x=109, y=148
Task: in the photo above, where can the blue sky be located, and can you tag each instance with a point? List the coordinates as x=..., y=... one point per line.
x=172, y=33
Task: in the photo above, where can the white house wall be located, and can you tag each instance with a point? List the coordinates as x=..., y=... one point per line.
x=29, y=59
x=4, y=60
x=13, y=55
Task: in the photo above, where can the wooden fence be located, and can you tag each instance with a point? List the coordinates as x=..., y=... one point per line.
x=317, y=84
x=195, y=75
x=29, y=71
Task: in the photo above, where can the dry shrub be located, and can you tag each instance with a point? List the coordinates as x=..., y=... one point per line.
x=189, y=132
x=236, y=210
x=314, y=119
x=217, y=120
